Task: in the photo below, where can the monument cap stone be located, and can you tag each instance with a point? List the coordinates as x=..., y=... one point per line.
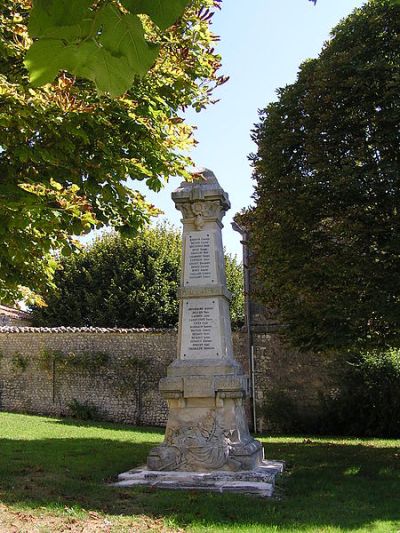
x=202, y=202
x=204, y=186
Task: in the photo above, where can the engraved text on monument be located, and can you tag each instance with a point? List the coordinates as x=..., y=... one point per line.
x=200, y=261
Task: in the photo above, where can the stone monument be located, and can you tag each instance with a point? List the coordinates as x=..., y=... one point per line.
x=207, y=440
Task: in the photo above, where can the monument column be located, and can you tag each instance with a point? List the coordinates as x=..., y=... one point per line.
x=205, y=386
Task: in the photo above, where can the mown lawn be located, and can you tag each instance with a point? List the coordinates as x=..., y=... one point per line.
x=54, y=474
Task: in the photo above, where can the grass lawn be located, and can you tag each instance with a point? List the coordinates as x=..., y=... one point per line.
x=53, y=476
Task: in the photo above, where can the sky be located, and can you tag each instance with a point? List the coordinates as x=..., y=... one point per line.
x=262, y=47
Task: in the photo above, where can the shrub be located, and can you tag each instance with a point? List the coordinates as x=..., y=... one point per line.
x=368, y=403
x=82, y=411
x=285, y=415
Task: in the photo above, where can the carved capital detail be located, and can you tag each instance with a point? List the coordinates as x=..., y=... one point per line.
x=200, y=211
x=202, y=200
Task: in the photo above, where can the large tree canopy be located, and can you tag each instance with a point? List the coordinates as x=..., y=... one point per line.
x=326, y=229
x=66, y=153
x=126, y=283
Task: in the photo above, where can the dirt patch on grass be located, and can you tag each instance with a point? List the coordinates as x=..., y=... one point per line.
x=13, y=521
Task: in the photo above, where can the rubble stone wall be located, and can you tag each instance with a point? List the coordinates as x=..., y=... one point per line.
x=116, y=372
x=113, y=372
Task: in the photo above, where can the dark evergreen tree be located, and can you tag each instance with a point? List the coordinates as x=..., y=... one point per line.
x=326, y=228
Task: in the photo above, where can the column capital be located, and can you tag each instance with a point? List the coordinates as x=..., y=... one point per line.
x=202, y=201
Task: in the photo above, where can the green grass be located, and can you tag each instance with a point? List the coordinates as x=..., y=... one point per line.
x=54, y=473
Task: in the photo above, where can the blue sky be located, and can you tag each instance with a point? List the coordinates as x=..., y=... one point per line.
x=262, y=47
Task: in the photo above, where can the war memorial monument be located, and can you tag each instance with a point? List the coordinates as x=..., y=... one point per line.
x=207, y=444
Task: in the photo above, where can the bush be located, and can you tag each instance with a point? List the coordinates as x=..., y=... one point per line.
x=82, y=411
x=284, y=415
x=118, y=282
x=368, y=403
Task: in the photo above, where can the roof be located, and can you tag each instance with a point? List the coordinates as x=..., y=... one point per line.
x=69, y=329
x=14, y=313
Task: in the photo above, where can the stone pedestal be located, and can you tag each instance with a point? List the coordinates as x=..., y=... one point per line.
x=205, y=387
x=207, y=428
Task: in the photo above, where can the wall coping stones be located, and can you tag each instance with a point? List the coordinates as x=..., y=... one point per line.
x=68, y=329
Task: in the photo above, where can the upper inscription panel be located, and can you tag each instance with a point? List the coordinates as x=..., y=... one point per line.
x=200, y=268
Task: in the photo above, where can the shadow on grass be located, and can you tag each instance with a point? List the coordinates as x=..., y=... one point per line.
x=339, y=485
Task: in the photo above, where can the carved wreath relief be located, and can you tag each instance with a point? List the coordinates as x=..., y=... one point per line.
x=201, y=210
x=204, y=445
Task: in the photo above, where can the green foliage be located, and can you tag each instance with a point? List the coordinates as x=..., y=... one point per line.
x=284, y=415
x=82, y=411
x=326, y=229
x=68, y=156
x=162, y=12
x=19, y=362
x=118, y=282
x=126, y=283
x=368, y=403
x=88, y=361
x=104, y=43
x=235, y=284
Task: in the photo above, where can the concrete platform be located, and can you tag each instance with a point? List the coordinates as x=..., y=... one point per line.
x=259, y=482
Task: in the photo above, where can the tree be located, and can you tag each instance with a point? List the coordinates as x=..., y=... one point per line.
x=235, y=284
x=67, y=155
x=326, y=228
x=118, y=282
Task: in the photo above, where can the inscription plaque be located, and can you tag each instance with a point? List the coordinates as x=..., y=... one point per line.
x=199, y=258
x=200, y=336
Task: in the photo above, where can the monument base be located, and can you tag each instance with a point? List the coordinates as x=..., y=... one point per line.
x=207, y=428
x=259, y=482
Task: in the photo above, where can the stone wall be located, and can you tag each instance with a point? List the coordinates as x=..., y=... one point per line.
x=44, y=370
x=35, y=379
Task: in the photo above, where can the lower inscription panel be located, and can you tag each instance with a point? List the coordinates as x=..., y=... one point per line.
x=201, y=335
